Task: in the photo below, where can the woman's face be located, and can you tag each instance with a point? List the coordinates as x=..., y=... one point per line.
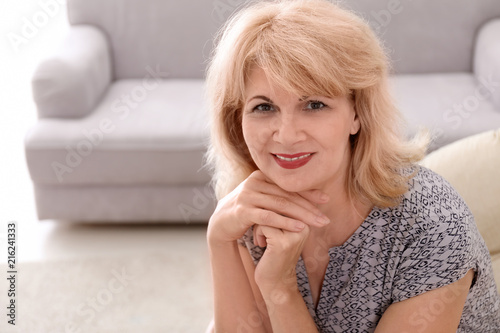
x=299, y=142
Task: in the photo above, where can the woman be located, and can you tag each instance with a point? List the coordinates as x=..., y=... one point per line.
x=324, y=222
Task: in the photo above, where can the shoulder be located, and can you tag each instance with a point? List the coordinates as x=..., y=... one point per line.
x=441, y=241
x=427, y=188
x=432, y=203
x=437, y=226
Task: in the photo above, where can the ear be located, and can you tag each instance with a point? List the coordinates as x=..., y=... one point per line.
x=355, y=125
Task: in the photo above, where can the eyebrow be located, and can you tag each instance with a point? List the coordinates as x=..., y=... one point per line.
x=267, y=99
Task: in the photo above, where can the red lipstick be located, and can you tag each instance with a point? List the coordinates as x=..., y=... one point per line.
x=294, y=161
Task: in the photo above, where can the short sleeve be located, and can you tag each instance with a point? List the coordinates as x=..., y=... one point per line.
x=442, y=252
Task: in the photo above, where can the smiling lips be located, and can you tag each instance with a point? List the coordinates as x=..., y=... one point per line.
x=294, y=161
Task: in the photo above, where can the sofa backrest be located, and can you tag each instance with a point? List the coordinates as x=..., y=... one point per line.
x=176, y=36
x=426, y=36
x=173, y=35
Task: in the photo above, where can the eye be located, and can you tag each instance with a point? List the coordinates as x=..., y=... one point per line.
x=315, y=105
x=265, y=107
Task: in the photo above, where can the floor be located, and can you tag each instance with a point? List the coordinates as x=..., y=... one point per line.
x=25, y=46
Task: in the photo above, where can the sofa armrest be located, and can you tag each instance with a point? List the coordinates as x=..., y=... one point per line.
x=487, y=59
x=70, y=83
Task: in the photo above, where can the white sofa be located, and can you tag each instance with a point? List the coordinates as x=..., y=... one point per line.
x=122, y=124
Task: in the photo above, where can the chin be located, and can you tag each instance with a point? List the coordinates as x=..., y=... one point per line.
x=291, y=184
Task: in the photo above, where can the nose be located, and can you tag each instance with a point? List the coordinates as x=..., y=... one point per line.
x=288, y=129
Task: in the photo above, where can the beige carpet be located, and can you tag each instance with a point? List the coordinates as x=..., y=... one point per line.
x=148, y=293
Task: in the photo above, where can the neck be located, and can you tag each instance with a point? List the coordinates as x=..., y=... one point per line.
x=345, y=212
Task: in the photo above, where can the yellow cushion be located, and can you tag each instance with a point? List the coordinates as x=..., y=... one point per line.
x=472, y=166
x=495, y=260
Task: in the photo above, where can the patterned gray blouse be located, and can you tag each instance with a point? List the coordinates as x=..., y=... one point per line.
x=429, y=241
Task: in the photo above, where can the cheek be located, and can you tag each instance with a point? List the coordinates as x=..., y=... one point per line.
x=333, y=137
x=256, y=133
x=247, y=134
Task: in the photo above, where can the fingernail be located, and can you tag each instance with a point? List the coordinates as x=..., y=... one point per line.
x=322, y=219
x=299, y=225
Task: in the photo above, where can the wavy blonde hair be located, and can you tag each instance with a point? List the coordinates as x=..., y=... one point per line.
x=310, y=48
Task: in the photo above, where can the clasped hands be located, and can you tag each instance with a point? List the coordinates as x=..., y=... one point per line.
x=281, y=223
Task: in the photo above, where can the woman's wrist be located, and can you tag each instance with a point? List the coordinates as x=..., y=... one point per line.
x=215, y=235
x=279, y=293
x=288, y=311
x=216, y=243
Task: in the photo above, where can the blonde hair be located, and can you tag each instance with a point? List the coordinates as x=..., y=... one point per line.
x=309, y=48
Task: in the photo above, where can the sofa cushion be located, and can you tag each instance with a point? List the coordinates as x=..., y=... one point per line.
x=134, y=203
x=452, y=106
x=472, y=166
x=495, y=260
x=146, y=131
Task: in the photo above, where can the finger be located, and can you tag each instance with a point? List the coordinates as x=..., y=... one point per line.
x=257, y=174
x=269, y=218
x=289, y=207
x=270, y=232
x=305, y=203
x=316, y=196
x=258, y=236
x=264, y=187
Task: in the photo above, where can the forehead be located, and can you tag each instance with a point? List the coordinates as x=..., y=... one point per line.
x=256, y=79
x=258, y=83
